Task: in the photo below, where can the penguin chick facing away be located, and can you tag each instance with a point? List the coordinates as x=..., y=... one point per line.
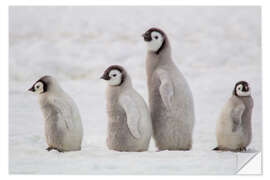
x=63, y=126
x=234, y=125
x=129, y=121
x=170, y=98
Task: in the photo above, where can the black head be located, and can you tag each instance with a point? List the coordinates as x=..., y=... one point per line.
x=39, y=87
x=241, y=88
x=115, y=75
x=156, y=39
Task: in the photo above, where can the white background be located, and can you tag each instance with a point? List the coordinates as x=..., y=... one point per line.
x=4, y=57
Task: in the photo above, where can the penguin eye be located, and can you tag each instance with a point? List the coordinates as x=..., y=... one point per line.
x=156, y=37
x=114, y=75
x=37, y=86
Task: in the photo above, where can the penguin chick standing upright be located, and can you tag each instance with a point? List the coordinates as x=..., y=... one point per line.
x=234, y=125
x=170, y=98
x=63, y=127
x=129, y=125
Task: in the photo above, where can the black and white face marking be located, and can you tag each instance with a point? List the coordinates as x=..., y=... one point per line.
x=113, y=75
x=242, y=89
x=154, y=39
x=39, y=87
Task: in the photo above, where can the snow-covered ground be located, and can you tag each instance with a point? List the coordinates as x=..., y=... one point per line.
x=213, y=46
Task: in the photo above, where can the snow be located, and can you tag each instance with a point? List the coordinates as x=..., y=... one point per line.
x=213, y=46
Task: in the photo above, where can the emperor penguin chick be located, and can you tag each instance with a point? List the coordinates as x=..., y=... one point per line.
x=170, y=98
x=234, y=125
x=129, y=121
x=63, y=127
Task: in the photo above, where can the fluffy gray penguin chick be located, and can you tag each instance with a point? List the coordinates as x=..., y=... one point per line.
x=129, y=121
x=234, y=125
x=63, y=126
x=170, y=98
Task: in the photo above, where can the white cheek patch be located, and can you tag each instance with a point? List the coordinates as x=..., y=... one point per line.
x=243, y=93
x=156, y=42
x=115, y=78
x=240, y=92
x=39, y=88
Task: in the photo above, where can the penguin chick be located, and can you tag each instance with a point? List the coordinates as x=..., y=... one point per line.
x=170, y=98
x=63, y=126
x=129, y=121
x=234, y=125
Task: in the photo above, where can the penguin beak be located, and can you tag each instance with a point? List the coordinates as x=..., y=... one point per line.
x=105, y=77
x=32, y=89
x=146, y=36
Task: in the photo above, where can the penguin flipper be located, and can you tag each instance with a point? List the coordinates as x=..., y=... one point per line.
x=133, y=115
x=166, y=89
x=236, y=115
x=64, y=112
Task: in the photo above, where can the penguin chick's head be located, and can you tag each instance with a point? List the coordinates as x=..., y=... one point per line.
x=39, y=87
x=114, y=75
x=155, y=39
x=242, y=89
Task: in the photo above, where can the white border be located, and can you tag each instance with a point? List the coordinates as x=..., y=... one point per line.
x=253, y=166
x=138, y=2
x=4, y=71
x=4, y=89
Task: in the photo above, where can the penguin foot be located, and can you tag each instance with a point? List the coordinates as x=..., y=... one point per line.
x=242, y=149
x=216, y=149
x=51, y=148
